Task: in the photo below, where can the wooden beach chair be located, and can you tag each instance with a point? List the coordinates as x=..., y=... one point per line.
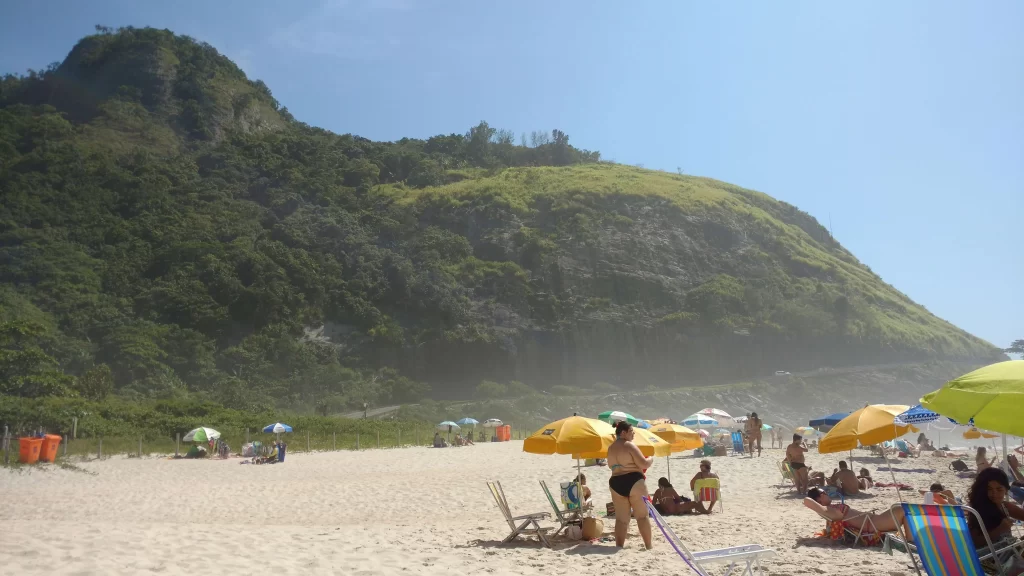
x=529, y=525
x=943, y=544
x=707, y=489
x=742, y=560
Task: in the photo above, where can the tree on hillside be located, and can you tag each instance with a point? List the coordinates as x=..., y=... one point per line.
x=25, y=368
x=1017, y=347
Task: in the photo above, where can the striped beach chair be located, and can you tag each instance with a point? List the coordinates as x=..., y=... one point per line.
x=943, y=542
x=708, y=489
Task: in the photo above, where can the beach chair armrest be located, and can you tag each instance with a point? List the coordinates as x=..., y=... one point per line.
x=537, y=516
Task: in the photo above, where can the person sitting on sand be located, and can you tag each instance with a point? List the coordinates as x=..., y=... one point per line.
x=843, y=515
x=668, y=502
x=924, y=444
x=438, y=441
x=844, y=479
x=582, y=479
x=795, y=456
x=704, y=473
x=937, y=494
x=865, y=479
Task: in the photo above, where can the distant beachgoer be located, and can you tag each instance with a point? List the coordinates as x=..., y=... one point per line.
x=844, y=479
x=981, y=459
x=704, y=473
x=755, y=431
x=937, y=494
x=668, y=502
x=795, y=456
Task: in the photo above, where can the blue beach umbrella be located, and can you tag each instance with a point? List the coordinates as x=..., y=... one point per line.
x=921, y=415
x=277, y=428
x=827, y=421
x=699, y=421
x=467, y=422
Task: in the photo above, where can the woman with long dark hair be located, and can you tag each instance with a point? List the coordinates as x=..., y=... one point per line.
x=988, y=496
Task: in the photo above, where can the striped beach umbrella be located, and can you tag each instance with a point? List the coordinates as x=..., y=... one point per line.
x=201, y=434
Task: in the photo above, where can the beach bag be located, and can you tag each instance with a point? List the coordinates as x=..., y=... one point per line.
x=570, y=495
x=958, y=466
x=592, y=528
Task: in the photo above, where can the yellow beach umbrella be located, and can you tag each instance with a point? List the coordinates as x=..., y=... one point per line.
x=974, y=434
x=571, y=435
x=872, y=424
x=650, y=444
x=991, y=396
x=680, y=438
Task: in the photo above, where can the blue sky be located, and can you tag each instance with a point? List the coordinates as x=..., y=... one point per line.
x=900, y=122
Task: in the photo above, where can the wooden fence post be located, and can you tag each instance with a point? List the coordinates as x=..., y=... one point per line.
x=378, y=438
x=140, y=446
x=399, y=437
x=74, y=427
x=177, y=443
x=99, y=451
x=5, y=443
x=307, y=440
x=65, y=445
x=246, y=435
x=357, y=440
x=334, y=440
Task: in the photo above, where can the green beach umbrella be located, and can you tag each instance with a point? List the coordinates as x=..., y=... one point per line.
x=612, y=416
x=201, y=434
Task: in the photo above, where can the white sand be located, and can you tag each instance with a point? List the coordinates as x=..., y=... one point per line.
x=408, y=511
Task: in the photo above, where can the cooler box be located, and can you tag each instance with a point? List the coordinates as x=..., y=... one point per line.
x=28, y=450
x=48, y=450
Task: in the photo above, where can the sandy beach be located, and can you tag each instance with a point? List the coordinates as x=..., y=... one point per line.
x=404, y=511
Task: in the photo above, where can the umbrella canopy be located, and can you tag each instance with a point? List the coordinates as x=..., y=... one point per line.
x=679, y=437
x=699, y=420
x=723, y=432
x=613, y=416
x=872, y=424
x=448, y=424
x=974, y=434
x=466, y=422
x=572, y=435
x=649, y=443
x=805, y=431
x=917, y=415
x=493, y=423
x=766, y=427
x=991, y=396
x=827, y=421
x=201, y=434
x=703, y=433
x=277, y=428
x=721, y=415
x=740, y=419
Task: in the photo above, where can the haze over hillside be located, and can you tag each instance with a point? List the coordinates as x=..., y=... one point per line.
x=165, y=217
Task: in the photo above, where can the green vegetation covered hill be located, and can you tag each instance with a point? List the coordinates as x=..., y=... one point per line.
x=168, y=230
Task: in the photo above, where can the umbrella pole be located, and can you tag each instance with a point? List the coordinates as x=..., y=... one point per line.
x=892, y=472
x=668, y=464
x=579, y=485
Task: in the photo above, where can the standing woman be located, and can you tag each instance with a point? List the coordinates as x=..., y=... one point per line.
x=627, y=485
x=756, y=431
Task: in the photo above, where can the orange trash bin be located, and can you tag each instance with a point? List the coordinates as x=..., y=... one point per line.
x=28, y=450
x=48, y=451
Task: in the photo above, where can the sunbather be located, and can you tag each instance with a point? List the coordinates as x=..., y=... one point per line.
x=668, y=502
x=844, y=479
x=865, y=479
x=981, y=459
x=705, y=473
x=842, y=515
x=939, y=495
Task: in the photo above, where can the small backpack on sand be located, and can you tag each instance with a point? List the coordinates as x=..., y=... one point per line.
x=958, y=466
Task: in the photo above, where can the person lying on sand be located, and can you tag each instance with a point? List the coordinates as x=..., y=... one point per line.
x=668, y=502
x=844, y=479
x=939, y=495
x=886, y=521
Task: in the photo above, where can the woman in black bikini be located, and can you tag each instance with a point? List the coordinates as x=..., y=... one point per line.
x=627, y=485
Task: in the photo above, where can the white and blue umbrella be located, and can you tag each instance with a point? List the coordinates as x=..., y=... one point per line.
x=921, y=415
x=277, y=428
x=699, y=421
x=448, y=424
x=467, y=422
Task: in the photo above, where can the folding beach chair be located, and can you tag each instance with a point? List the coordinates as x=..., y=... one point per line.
x=564, y=517
x=857, y=530
x=737, y=442
x=787, y=473
x=529, y=525
x=942, y=542
x=707, y=489
x=746, y=558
